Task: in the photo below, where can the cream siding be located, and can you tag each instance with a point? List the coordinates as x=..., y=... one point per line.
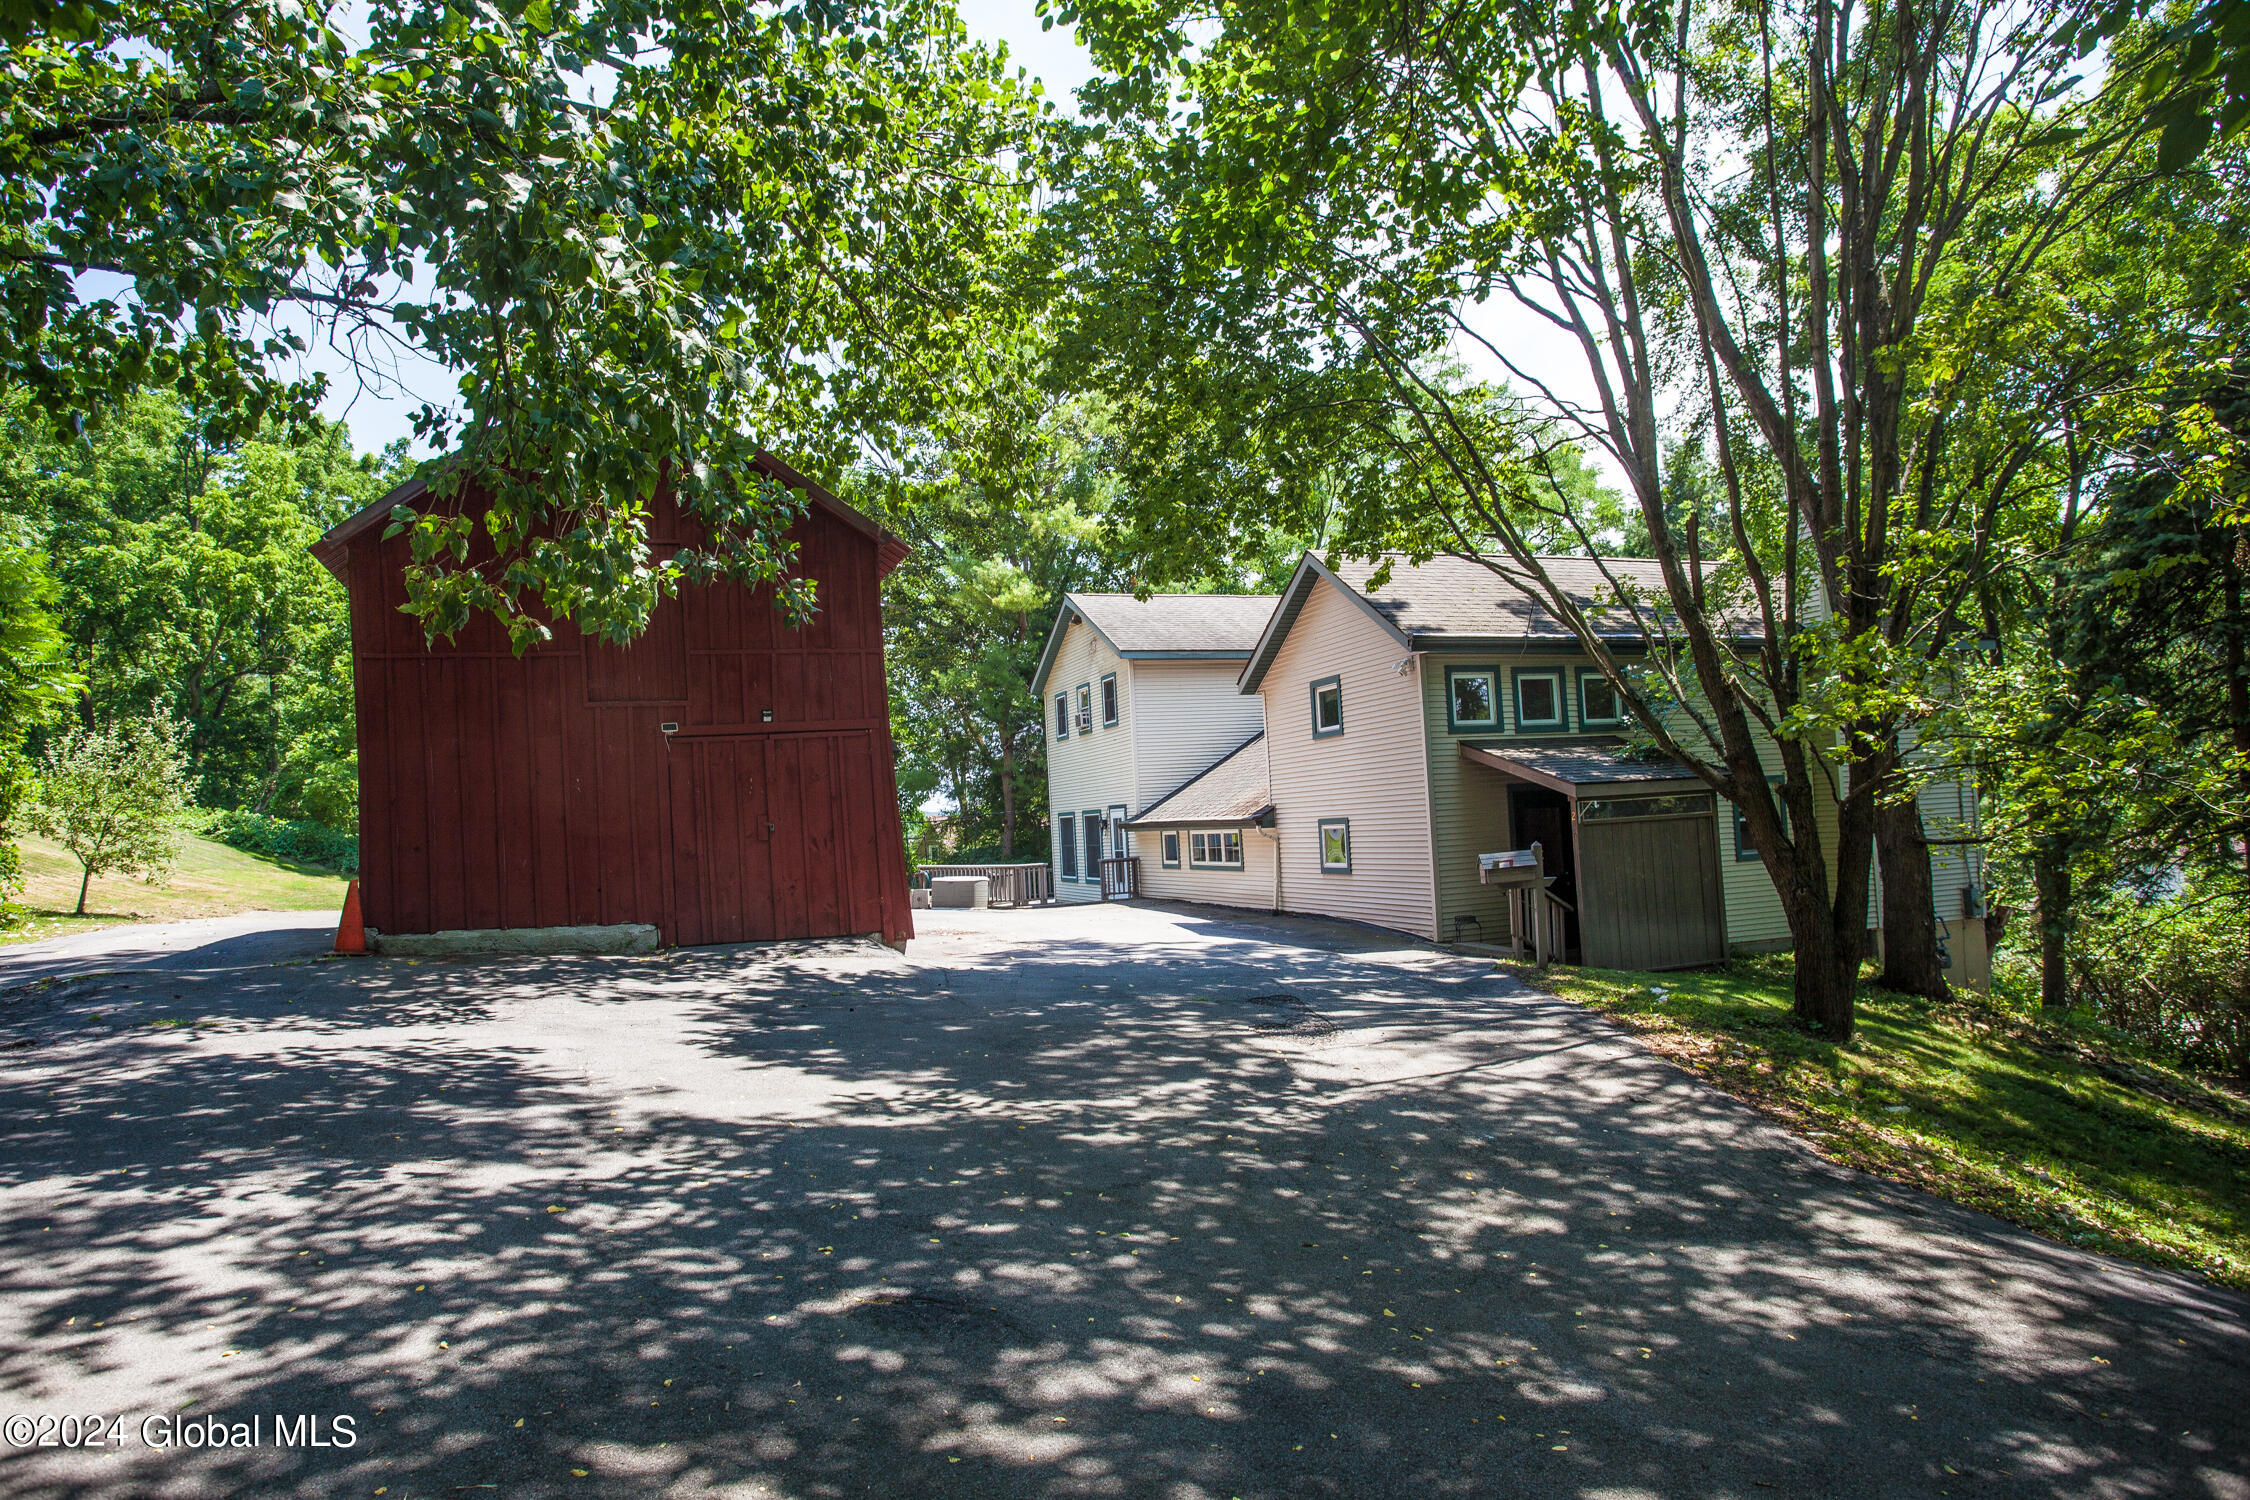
x=1374, y=773
x=1191, y=713
x=1091, y=771
x=1250, y=887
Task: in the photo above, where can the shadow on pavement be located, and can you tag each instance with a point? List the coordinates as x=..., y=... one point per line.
x=1144, y=1205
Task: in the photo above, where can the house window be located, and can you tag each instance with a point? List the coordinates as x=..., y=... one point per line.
x=1597, y=700
x=1090, y=824
x=1472, y=698
x=1062, y=716
x=1120, y=844
x=1215, y=851
x=1171, y=849
x=1067, y=842
x=1085, y=708
x=1539, y=702
x=1744, y=850
x=1109, y=699
x=1335, y=846
x=1327, y=707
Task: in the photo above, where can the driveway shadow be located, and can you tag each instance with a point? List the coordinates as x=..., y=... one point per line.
x=1125, y=1203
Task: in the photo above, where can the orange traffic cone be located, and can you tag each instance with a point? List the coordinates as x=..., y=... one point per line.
x=351, y=933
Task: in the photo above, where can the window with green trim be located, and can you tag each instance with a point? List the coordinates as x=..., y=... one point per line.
x=1597, y=699
x=1472, y=698
x=1539, y=700
x=1327, y=707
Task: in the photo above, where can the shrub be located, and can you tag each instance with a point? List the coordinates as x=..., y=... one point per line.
x=2174, y=974
x=296, y=840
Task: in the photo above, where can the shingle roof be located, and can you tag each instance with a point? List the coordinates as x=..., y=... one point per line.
x=1234, y=790
x=1451, y=596
x=1206, y=624
x=1587, y=762
x=1460, y=601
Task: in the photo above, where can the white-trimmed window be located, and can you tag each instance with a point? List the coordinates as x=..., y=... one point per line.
x=1171, y=848
x=1220, y=849
x=1109, y=699
x=1335, y=846
x=1062, y=716
x=1085, y=708
x=1597, y=699
x=1539, y=700
x=1472, y=698
x=1327, y=707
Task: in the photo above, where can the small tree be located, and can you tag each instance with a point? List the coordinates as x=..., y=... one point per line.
x=113, y=795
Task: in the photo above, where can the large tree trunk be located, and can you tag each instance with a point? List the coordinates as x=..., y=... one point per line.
x=84, y=881
x=1910, y=949
x=2050, y=877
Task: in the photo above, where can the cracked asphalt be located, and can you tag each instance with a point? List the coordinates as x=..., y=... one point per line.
x=1123, y=1201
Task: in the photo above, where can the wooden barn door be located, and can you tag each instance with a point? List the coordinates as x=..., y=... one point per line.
x=774, y=836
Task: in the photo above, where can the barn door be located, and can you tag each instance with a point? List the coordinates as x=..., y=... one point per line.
x=774, y=837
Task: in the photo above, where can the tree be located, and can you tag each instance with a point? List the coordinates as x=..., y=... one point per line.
x=113, y=795
x=648, y=238
x=1005, y=516
x=185, y=582
x=1787, y=229
x=36, y=683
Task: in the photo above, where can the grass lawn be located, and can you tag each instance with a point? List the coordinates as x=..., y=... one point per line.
x=211, y=880
x=2059, y=1128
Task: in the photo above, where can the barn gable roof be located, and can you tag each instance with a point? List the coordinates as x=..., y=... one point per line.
x=890, y=550
x=1163, y=627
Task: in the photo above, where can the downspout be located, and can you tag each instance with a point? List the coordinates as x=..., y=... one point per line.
x=1274, y=833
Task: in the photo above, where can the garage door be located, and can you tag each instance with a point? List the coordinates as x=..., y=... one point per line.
x=774, y=836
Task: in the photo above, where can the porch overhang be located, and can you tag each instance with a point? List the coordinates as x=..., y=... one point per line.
x=1578, y=768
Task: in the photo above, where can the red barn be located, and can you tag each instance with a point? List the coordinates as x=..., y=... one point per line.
x=724, y=778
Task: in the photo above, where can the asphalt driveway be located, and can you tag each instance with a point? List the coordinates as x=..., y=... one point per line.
x=1114, y=1202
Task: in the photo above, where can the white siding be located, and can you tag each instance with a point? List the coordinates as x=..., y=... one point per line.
x=1190, y=714
x=1374, y=773
x=1251, y=886
x=1091, y=771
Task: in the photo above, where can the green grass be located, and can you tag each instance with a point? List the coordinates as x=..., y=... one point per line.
x=2060, y=1128
x=212, y=880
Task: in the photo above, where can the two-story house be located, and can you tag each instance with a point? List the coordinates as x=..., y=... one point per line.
x=1142, y=697
x=1446, y=716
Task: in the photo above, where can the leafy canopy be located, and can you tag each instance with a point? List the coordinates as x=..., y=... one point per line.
x=650, y=236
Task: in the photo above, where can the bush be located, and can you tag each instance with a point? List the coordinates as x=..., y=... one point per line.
x=295, y=840
x=2174, y=974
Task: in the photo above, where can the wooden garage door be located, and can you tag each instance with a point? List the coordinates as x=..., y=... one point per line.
x=1648, y=891
x=774, y=836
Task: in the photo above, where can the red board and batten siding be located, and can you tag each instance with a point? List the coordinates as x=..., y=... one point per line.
x=539, y=791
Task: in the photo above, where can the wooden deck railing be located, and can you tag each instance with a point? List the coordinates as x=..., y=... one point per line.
x=1121, y=877
x=1012, y=885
